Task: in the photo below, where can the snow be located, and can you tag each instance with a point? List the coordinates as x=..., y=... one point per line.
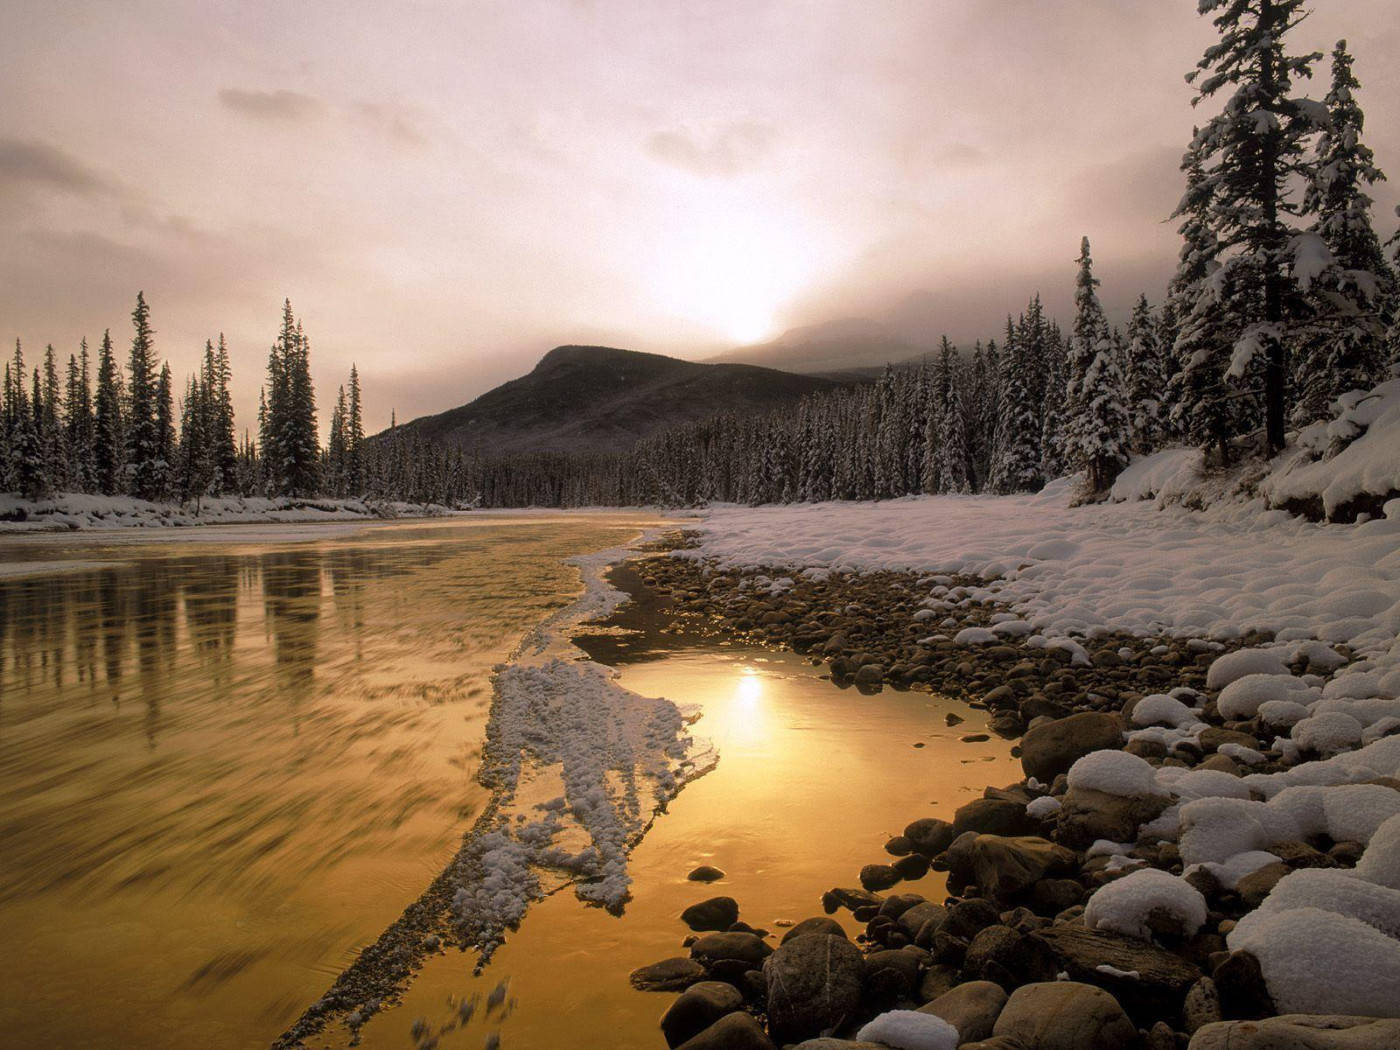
x=1243, y=696
x=1234, y=666
x=910, y=1030
x=1043, y=807
x=1160, y=709
x=1114, y=773
x=1126, y=905
x=1163, y=475
x=70, y=511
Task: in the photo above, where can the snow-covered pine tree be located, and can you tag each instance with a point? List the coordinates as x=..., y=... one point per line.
x=223, y=435
x=302, y=443
x=1055, y=366
x=165, y=432
x=145, y=465
x=1254, y=152
x=354, y=438
x=79, y=424
x=30, y=475
x=334, y=476
x=954, y=461
x=935, y=397
x=52, y=438
x=109, y=421
x=1096, y=428
x=1016, y=462
x=1354, y=294
x=1146, y=379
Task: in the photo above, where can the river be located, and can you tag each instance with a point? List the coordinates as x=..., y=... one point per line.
x=228, y=761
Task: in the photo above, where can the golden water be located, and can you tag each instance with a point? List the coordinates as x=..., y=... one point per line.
x=227, y=765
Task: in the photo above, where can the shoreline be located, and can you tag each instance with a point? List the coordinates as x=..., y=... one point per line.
x=1024, y=861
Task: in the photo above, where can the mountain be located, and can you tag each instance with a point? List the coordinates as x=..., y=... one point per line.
x=831, y=348
x=598, y=399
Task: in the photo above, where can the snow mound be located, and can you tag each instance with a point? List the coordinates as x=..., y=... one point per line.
x=1114, y=773
x=1131, y=904
x=910, y=1030
x=1244, y=695
x=1234, y=666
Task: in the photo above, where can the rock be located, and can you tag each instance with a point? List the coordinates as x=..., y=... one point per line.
x=668, y=975
x=729, y=947
x=705, y=873
x=1086, y=816
x=1002, y=867
x=1065, y=1015
x=1052, y=896
x=1300, y=1032
x=898, y=846
x=1006, y=724
x=1160, y=1037
x=1162, y=980
x=1240, y=983
x=971, y=1008
x=1202, y=1006
x=967, y=918
x=814, y=984
x=904, y=965
x=699, y=1006
x=896, y=904
x=974, y=738
x=996, y=1042
x=911, y=868
x=990, y=816
x=995, y=954
x=914, y=919
x=937, y=980
x=1052, y=747
x=736, y=1031
x=878, y=876
x=820, y=925
x=1213, y=736
x=1255, y=886
x=837, y=1044
x=850, y=899
x=869, y=675
x=717, y=913
x=930, y=836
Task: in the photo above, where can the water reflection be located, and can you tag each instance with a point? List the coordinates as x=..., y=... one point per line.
x=222, y=772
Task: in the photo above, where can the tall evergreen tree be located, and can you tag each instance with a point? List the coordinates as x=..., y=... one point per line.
x=145, y=463
x=222, y=439
x=354, y=438
x=1354, y=297
x=1097, y=422
x=110, y=438
x=1147, y=378
x=1016, y=461
x=1258, y=148
x=165, y=433
x=80, y=424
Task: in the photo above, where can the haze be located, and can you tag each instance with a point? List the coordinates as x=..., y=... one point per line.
x=445, y=190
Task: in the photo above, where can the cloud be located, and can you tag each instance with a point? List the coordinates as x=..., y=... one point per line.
x=32, y=163
x=730, y=150
x=394, y=122
x=271, y=105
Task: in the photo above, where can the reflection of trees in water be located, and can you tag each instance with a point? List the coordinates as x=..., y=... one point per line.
x=210, y=598
x=291, y=584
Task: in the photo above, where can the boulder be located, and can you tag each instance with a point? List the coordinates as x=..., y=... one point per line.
x=668, y=975
x=1239, y=981
x=992, y=816
x=698, y=1007
x=717, y=913
x=1052, y=747
x=995, y=954
x=1202, y=1006
x=820, y=925
x=896, y=970
x=1086, y=816
x=1162, y=981
x=827, y=1043
x=814, y=984
x=913, y=920
x=851, y=899
x=878, y=876
x=736, y=1031
x=1065, y=1015
x=929, y=836
x=1300, y=1032
x=705, y=873
x=971, y=1008
x=1002, y=867
x=729, y=947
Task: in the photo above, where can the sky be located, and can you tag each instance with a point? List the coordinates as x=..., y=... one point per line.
x=445, y=190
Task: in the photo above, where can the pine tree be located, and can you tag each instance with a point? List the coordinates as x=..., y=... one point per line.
x=1054, y=368
x=143, y=431
x=223, y=442
x=290, y=445
x=81, y=429
x=354, y=439
x=954, y=462
x=1258, y=147
x=52, y=439
x=1097, y=422
x=27, y=447
x=1354, y=297
x=1146, y=378
x=335, y=451
x=165, y=434
x=1016, y=461
x=110, y=437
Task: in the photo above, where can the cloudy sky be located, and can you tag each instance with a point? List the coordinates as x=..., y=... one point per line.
x=447, y=189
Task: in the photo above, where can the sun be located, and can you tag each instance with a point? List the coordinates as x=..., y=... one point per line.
x=751, y=328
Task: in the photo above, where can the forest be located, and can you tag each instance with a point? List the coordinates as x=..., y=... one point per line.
x=1284, y=298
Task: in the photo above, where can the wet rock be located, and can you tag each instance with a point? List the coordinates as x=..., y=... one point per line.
x=971, y=1008
x=996, y=954
x=699, y=1006
x=914, y=920
x=937, y=980
x=966, y=918
x=706, y=873
x=668, y=975
x=1006, y=724
x=717, y=913
x=716, y=948
x=991, y=816
x=1051, y=748
x=1065, y=1015
x=911, y=868
x=951, y=720
x=902, y=965
x=898, y=846
x=930, y=836
x=1052, y=896
x=820, y=925
x=1162, y=981
x=828, y=1043
x=869, y=675
x=736, y=1031
x=1086, y=816
x=1300, y=1032
x=851, y=899
x=878, y=876
x=896, y=904
x=1002, y=867
x=814, y=983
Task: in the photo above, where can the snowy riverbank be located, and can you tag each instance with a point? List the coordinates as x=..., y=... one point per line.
x=1208, y=824
x=71, y=511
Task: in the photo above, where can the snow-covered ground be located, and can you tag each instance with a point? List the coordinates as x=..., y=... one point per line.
x=70, y=511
